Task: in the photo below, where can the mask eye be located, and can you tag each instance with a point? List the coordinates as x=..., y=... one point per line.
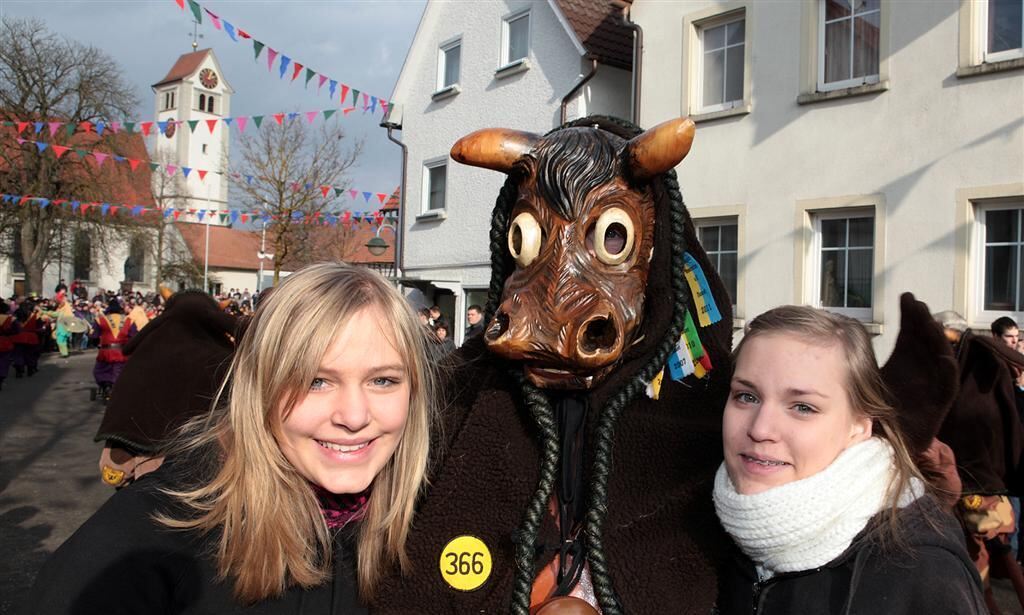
x=524, y=239
x=611, y=239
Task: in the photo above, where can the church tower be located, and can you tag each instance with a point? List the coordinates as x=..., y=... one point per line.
x=193, y=92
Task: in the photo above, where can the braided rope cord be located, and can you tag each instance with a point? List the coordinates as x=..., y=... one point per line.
x=540, y=406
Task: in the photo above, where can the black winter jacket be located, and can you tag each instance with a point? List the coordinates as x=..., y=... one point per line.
x=121, y=562
x=931, y=574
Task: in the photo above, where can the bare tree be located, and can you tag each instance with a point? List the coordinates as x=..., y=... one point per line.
x=283, y=169
x=44, y=78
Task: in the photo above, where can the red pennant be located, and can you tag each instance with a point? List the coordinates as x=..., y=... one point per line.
x=345, y=217
x=134, y=163
x=245, y=217
x=146, y=127
x=279, y=118
x=84, y=207
x=24, y=200
x=378, y=217
x=211, y=124
x=243, y=33
x=202, y=174
x=114, y=208
x=59, y=150
x=177, y=212
x=349, y=110
x=86, y=126
x=344, y=93
x=181, y=4
x=381, y=196
x=298, y=69
x=22, y=126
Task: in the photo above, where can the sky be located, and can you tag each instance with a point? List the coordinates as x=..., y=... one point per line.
x=359, y=42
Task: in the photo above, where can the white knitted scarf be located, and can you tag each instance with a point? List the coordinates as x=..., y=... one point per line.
x=809, y=522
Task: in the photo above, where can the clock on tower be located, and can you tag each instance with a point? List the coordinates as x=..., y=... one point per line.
x=208, y=78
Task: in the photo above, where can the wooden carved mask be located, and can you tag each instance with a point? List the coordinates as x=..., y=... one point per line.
x=581, y=233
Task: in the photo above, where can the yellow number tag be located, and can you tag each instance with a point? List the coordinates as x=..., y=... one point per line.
x=465, y=563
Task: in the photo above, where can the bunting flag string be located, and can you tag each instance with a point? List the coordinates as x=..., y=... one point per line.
x=347, y=218
x=171, y=170
x=236, y=34
x=147, y=127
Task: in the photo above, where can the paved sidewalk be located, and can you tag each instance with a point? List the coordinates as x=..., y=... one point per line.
x=49, y=482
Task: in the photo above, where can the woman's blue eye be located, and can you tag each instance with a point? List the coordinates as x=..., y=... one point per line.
x=317, y=384
x=745, y=398
x=804, y=409
x=383, y=381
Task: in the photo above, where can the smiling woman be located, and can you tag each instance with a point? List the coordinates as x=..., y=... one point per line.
x=315, y=451
x=818, y=490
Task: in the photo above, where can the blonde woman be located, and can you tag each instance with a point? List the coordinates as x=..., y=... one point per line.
x=315, y=453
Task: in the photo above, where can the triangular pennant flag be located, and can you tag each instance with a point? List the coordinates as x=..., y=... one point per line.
x=245, y=218
x=279, y=118
x=338, y=191
x=38, y=126
x=192, y=125
x=329, y=112
x=171, y=169
x=344, y=93
x=114, y=209
x=243, y=33
x=177, y=212
x=230, y=29
x=271, y=56
x=297, y=69
x=70, y=128
x=309, y=75
x=380, y=197
x=54, y=126
x=257, y=119
x=162, y=126
x=213, y=18
x=308, y=186
x=81, y=153
x=234, y=216
x=384, y=106
x=211, y=124
x=185, y=171
x=100, y=157
x=373, y=104
x=323, y=80
x=23, y=125
x=59, y=150
x=153, y=166
x=134, y=163
x=146, y=127
x=119, y=158
x=355, y=97
x=115, y=126
x=257, y=48
x=85, y=126
x=333, y=86
x=283, y=66
x=43, y=203
x=349, y=110
x=99, y=128
x=248, y=179
x=292, y=115
x=129, y=126
x=354, y=193
x=168, y=212
x=366, y=100
x=324, y=190
x=21, y=141
x=200, y=214
x=366, y=196
x=104, y=209
x=192, y=4
x=40, y=145
x=227, y=120
x=295, y=186
x=241, y=121
x=181, y=4
x=311, y=115
x=202, y=174
x=223, y=217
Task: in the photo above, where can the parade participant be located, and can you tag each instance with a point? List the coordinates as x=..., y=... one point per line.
x=819, y=489
x=60, y=316
x=8, y=328
x=28, y=345
x=296, y=493
x=114, y=331
x=176, y=363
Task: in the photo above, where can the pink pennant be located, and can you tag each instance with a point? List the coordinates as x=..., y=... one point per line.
x=354, y=193
x=279, y=118
x=295, y=186
x=211, y=124
x=116, y=127
x=384, y=106
x=213, y=18
x=241, y=122
x=171, y=169
x=311, y=115
x=21, y=141
x=100, y=157
x=323, y=80
x=54, y=127
x=202, y=174
x=271, y=56
x=366, y=100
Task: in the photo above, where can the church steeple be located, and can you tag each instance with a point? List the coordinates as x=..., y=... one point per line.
x=193, y=91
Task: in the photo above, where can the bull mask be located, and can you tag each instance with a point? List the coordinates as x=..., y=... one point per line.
x=581, y=233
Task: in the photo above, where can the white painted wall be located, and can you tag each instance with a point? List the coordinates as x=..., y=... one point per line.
x=930, y=134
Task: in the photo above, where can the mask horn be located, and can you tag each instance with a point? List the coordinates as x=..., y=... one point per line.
x=493, y=148
x=165, y=292
x=660, y=148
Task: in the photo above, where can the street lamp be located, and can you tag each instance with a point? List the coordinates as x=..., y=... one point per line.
x=262, y=255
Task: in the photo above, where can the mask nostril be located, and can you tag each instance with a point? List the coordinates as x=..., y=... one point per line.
x=497, y=328
x=597, y=335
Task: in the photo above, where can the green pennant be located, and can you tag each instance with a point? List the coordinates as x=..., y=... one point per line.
x=192, y=125
x=153, y=166
x=129, y=126
x=223, y=217
x=192, y=4
x=81, y=153
x=355, y=98
x=257, y=119
x=7, y=123
x=257, y=48
x=309, y=75
x=338, y=191
x=70, y=128
x=329, y=112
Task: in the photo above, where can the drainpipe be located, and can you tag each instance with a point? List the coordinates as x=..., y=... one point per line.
x=399, y=243
x=638, y=54
x=579, y=84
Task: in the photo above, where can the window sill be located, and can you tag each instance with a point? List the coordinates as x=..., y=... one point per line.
x=857, y=90
x=989, y=67
x=743, y=109
x=512, y=68
x=431, y=216
x=446, y=92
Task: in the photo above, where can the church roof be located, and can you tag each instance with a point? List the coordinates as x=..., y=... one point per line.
x=186, y=65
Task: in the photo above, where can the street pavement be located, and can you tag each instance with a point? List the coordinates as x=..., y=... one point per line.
x=49, y=481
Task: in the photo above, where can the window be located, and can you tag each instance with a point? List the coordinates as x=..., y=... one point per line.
x=202, y=102
x=209, y=103
x=168, y=100
x=1002, y=25
x=435, y=178
x=515, y=38
x=844, y=249
x=848, y=43
x=204, y=148
x=720, y=243
x=722, y=64
x=82, y=264
x=135, y=264
x=448, y=60
x=1002, y=258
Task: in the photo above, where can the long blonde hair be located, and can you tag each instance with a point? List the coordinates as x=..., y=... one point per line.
x=868, y=394
x=270, y=531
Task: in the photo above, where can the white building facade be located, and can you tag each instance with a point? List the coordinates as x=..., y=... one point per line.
x=486, y=64
x=848, y=151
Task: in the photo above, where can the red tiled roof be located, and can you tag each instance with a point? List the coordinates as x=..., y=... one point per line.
x=392, y=202
x=185, y=66
x=599, y=27
x=229, y=248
